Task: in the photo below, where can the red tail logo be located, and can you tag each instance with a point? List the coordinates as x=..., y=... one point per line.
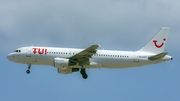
x=159, y=46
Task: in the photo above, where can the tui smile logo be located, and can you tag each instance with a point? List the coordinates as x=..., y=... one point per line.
x=159, y=46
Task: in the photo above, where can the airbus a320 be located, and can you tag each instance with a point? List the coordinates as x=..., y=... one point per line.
x=69, y=60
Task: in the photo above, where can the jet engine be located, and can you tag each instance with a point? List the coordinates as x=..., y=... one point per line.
x=61, y=62
x=63, y=66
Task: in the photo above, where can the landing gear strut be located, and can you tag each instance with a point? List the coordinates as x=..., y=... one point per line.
x=83, y=71
x=28, y=71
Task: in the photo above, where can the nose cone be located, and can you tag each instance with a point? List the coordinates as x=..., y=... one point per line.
x=10, y=57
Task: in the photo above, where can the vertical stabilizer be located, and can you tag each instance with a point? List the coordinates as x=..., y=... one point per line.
x=158, y=42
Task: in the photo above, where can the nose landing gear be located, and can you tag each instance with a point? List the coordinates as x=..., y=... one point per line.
x=29, y=67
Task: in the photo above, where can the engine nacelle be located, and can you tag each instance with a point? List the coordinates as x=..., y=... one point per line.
x=63, y=66
x=67, y=70
x=64, y=70
x=61, y=63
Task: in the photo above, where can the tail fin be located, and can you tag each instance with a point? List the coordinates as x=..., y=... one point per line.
x=158, y=42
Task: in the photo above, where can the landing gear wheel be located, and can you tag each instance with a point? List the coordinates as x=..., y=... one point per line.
x=83, y=71
x=29, y=67
x=85, y=76
x=28, y=71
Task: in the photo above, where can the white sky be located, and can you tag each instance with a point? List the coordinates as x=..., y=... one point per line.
x=115, y=24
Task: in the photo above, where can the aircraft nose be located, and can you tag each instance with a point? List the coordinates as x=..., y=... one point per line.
x=10, y=57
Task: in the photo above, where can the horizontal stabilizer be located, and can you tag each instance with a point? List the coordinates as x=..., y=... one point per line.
x=158, y=56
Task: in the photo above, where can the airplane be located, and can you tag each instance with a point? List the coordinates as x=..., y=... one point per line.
x=69, y=60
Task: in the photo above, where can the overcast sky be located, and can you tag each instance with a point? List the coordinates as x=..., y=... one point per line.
x=115, y=24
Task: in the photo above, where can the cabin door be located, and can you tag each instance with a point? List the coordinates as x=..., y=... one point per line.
x=136, y=57
x=28, y=52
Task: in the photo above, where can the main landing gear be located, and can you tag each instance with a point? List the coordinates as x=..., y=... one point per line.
x=83, y=70
x=83, y=73
x=28, y=71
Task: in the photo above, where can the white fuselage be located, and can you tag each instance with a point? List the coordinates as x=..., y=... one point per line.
x=102, y=58
x=69, y=60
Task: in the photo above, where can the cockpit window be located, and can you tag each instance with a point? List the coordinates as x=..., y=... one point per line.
x=17, y=51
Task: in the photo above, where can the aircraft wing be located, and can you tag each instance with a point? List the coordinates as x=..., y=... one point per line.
x=85, y=55
x=158, y=56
